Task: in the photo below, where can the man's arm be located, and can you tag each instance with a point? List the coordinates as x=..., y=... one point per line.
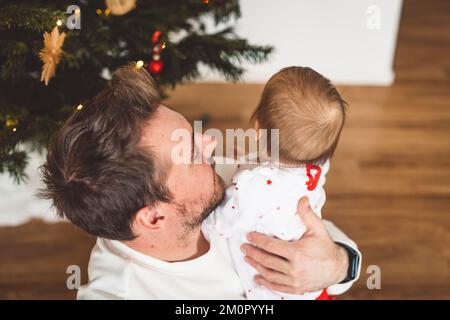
x=312, y=263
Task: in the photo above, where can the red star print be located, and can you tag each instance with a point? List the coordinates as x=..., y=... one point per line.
x=269, y=182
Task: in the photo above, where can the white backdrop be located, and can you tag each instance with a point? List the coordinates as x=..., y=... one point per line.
x=349, y=41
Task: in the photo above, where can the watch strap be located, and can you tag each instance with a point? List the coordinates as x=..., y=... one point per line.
x=353, y=262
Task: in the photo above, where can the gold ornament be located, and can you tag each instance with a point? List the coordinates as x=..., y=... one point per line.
x=120, y=7
x=51, y=53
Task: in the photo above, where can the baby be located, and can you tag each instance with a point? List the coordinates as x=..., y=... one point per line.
x=310, y=114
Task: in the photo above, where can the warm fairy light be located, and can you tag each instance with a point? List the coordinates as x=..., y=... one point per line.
x=139, y=64
x=11, y=123
x=80, y=106
x=77, y=11
x=98, y=11
x=163, y=45
x=59, y=23
x=14, y=129
x=107, y=11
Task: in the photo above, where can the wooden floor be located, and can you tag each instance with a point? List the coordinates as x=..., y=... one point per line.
x=389, y=185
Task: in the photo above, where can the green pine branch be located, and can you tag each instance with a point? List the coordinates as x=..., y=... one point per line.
x=36, y=18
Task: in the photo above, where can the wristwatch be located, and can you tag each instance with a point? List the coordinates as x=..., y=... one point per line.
x=353, y=262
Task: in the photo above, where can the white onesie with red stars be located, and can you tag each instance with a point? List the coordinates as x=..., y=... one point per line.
x=264, y=198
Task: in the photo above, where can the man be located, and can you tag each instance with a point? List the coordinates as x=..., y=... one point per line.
x=110, y=172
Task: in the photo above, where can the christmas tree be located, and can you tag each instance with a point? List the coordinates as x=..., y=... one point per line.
x=57, y=54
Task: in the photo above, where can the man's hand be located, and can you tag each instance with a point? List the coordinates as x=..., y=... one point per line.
x=312, y=263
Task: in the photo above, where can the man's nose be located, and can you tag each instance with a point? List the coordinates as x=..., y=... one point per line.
x=209, y=145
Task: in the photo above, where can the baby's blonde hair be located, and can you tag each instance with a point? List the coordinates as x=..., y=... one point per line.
x=307, y=109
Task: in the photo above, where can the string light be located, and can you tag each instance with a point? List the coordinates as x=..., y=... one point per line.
x=98, y=11
x=59, y=23
x=139, y=64
x=80, y=106
x=11, y=122
x=107, y=12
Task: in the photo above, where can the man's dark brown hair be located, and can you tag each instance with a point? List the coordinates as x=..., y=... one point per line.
x=95, y=173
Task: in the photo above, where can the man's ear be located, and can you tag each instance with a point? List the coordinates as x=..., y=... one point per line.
x=149, y=218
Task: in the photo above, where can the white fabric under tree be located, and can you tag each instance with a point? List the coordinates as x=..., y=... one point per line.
x=19, y=203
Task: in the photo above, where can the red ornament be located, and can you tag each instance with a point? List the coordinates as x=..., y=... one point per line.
x=155, y=67
x=155, y=36
x=269, y=182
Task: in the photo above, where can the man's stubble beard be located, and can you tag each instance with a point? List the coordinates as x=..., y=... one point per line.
x=194, y=220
